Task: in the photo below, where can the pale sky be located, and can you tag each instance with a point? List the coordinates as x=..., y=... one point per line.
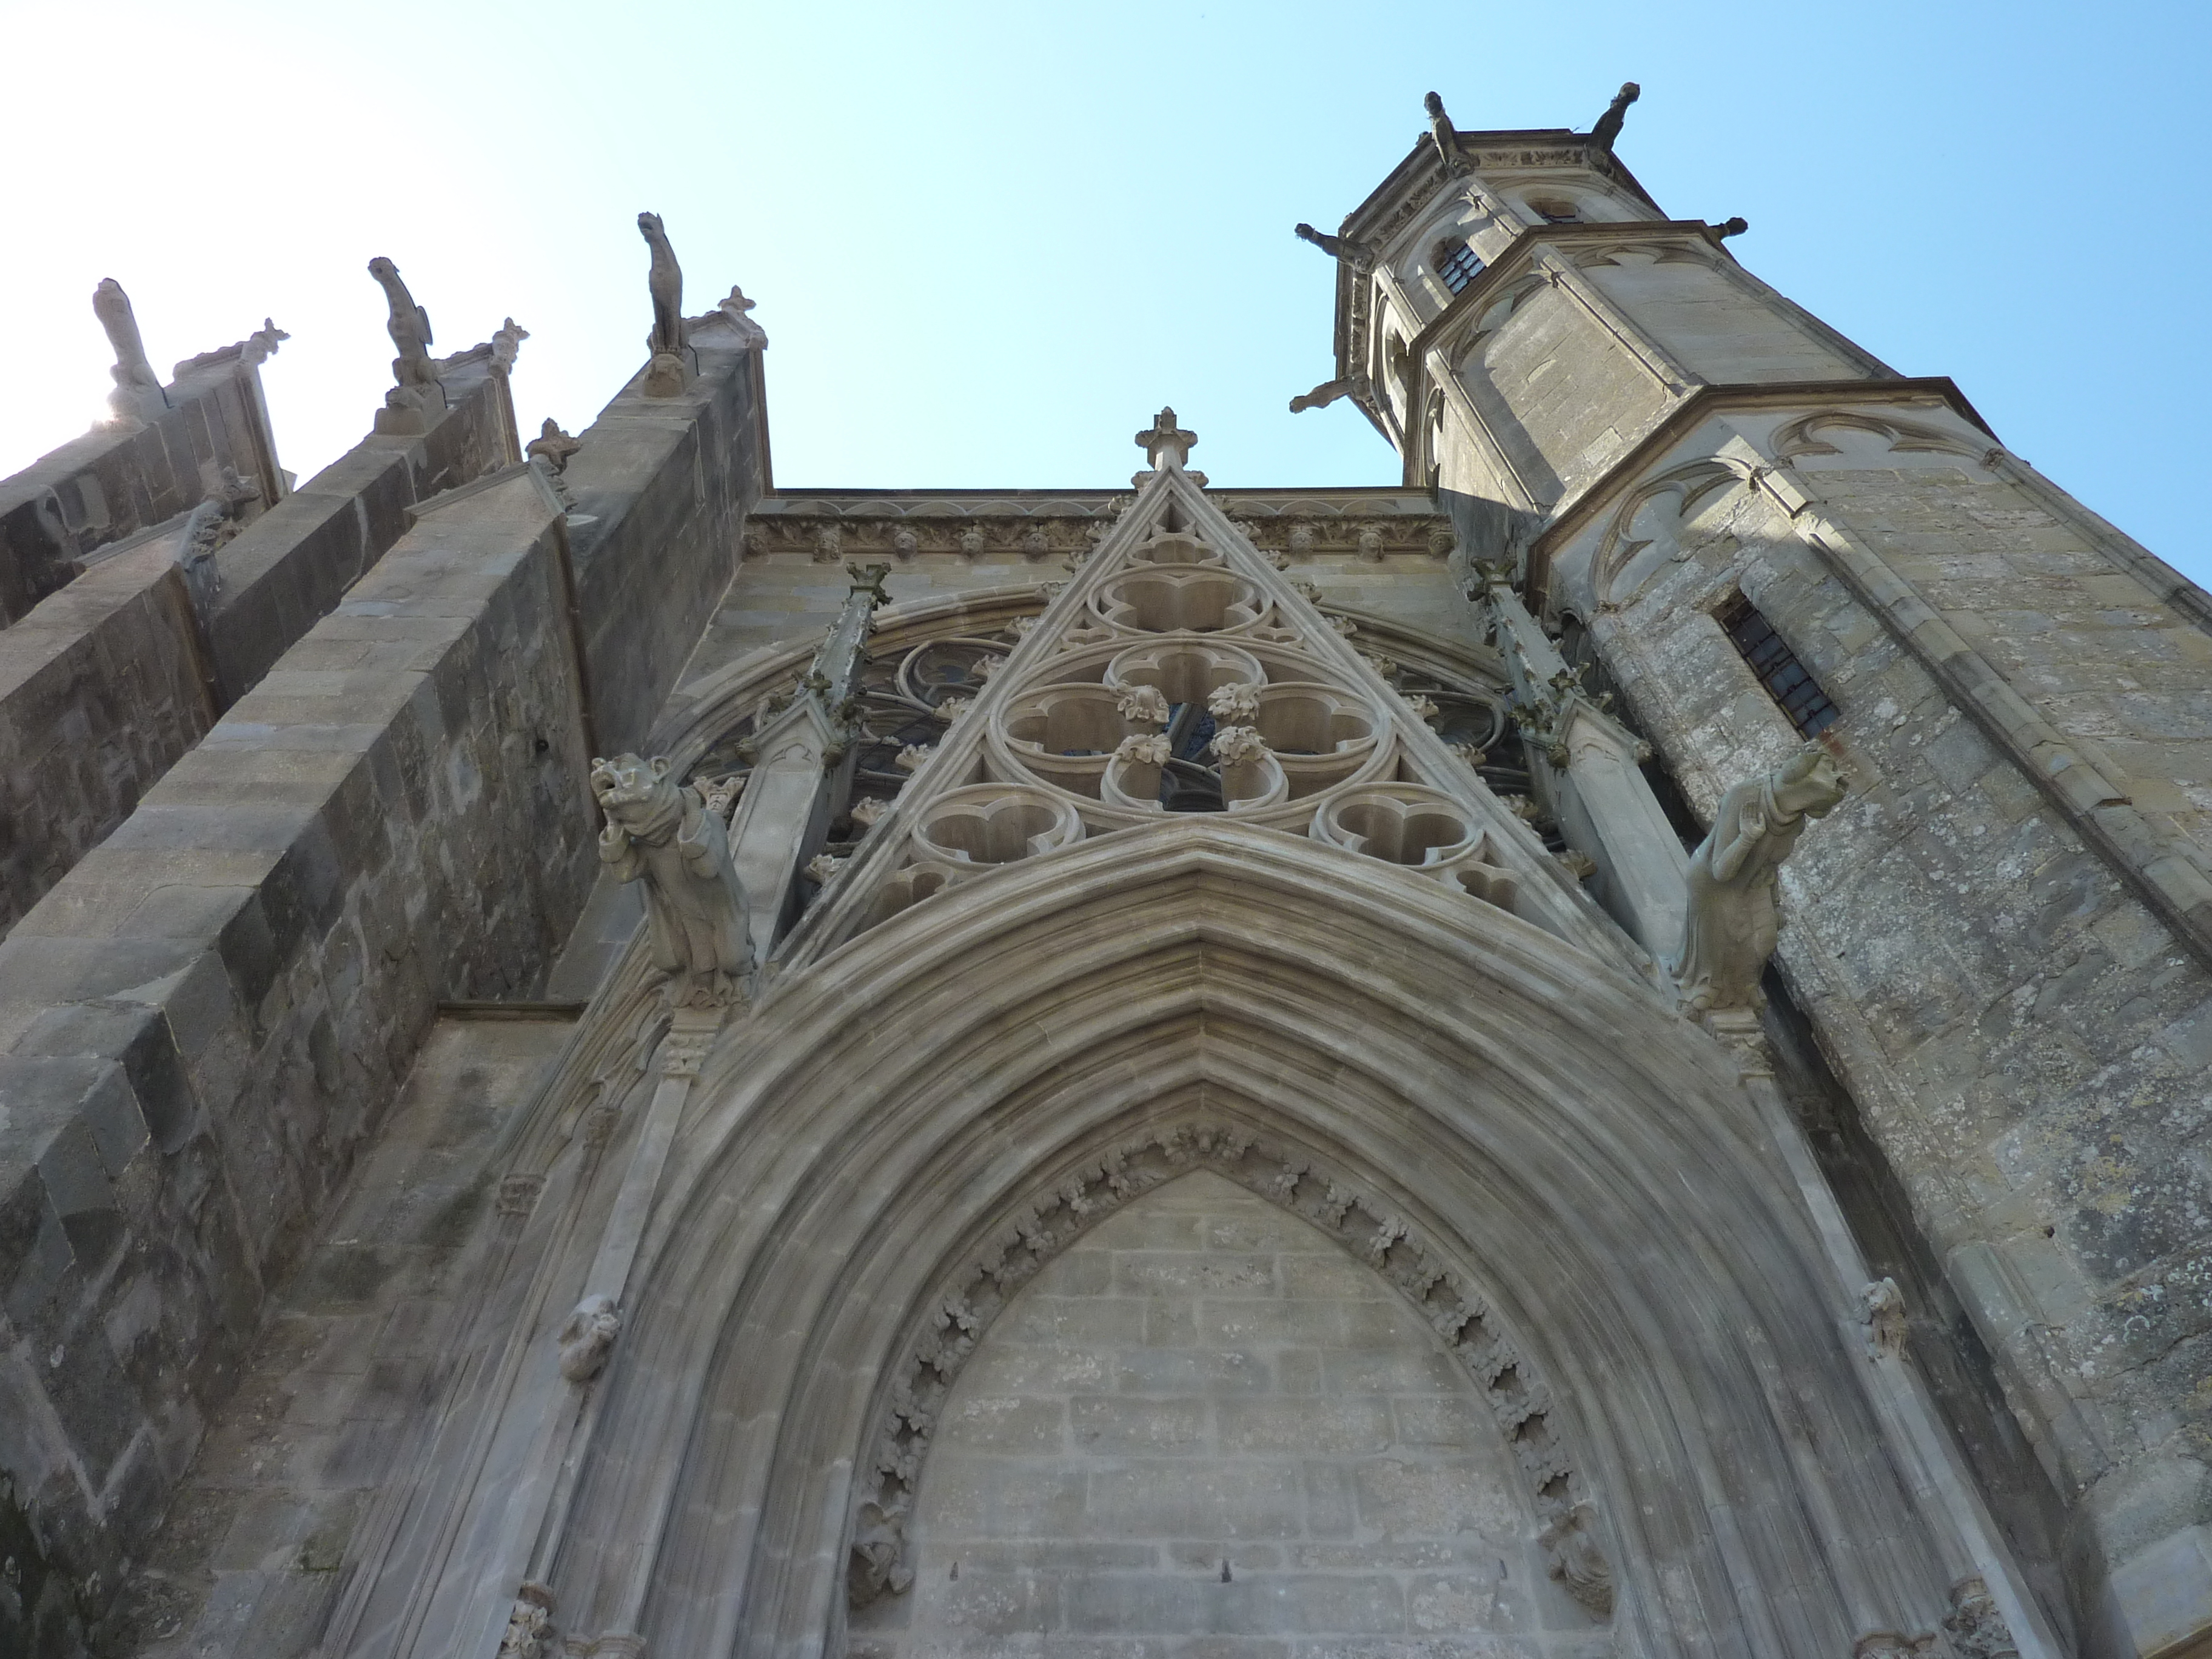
x=989, y=240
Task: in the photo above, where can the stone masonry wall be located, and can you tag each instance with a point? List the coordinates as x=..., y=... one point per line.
x=107, y=682
x=207, y=1017
x=114, y=482
x=102, y=686
x=2028, y=1044
x=1206, y=1429
x=666, y=483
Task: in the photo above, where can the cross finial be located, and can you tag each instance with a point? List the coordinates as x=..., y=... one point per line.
x=1164, y=437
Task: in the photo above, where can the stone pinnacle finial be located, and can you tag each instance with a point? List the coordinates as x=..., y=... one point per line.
x=1163, y=438
x=137, y=395
x=1608, y=124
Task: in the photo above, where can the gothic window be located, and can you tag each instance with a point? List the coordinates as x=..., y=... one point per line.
x=1788, y=681
x=1456, y=263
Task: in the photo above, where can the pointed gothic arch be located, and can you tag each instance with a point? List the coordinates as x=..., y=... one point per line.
x=1554, y=1127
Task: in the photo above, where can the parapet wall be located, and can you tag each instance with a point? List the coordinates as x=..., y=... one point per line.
x=666, y=483
x=115, y=481
x=202, y=1023
x=104, y=683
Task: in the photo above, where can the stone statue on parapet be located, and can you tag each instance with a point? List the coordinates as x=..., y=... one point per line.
x=663, y=834
x=137, y=395
x=665, y=281
x=1730, y=925
x=417, y=392
x=1608, y=124
x=1445, y=136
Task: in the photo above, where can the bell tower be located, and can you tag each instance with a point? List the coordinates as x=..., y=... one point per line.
x=1670, y=480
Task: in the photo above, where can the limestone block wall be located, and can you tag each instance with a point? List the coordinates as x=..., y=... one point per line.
x=106, y=682
x=102, y=686
x=288, y=568
x=1207, y=1429
x=204, y=1020
x=666, y=483
x=115, y=481
x=1993, y=935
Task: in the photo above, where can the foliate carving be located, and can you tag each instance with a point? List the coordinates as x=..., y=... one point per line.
x=1423, y=708
x=1150, y=750
x=684, y=1049
x=1233, y=744
x=913, y=757
x=1882, y=1313
x=1144, y=705
x=869, y=812
x=1977, y=1629
x=1729, y=926
x=665, y=837
x=1233, y=704
x=1575, y=1561
x=529, y=1625
x=824, y=868
x=588, y=1337
x=962, y=1312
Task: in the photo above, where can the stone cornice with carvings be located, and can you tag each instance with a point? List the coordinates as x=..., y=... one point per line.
x=831, y=525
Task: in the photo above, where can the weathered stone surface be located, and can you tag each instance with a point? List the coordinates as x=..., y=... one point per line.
x=1081, y=1493
x=207, y=1018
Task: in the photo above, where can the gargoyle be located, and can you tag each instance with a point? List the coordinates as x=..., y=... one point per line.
x=1730, y=925
x=664, y=837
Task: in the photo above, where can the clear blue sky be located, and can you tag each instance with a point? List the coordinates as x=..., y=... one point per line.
x=987, y=241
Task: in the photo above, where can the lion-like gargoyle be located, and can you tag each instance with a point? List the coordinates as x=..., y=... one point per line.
x=1729, y=926
x=663, y=835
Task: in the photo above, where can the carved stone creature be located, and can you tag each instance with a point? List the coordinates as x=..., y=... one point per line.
x=665, y=281
x=1881, y=1310
x=530, y=1624
x=588, y=1337
x=873, y=1570
x=1353, y=253
x=1729, y=926
x=137, y=393
x=1977, y=1629
x=1575, y=1561
x=409, y=325
x=1608, y=124
x=665, y=837
x=1445, y=136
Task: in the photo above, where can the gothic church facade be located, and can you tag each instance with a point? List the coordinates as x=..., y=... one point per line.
x=1601, y=1053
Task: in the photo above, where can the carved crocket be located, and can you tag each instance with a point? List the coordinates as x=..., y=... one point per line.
x=664, y=837
x=1730, y=925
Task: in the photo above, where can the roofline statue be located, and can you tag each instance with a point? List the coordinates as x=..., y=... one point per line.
x=665, y=377
x=416, y=394
x=137, y=395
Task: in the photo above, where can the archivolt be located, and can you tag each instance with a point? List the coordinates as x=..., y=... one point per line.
x=1077, y=1199
x=1534, y=1112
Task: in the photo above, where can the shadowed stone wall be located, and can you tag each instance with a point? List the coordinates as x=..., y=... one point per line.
x=1202, y=1380
x=209, y=1014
